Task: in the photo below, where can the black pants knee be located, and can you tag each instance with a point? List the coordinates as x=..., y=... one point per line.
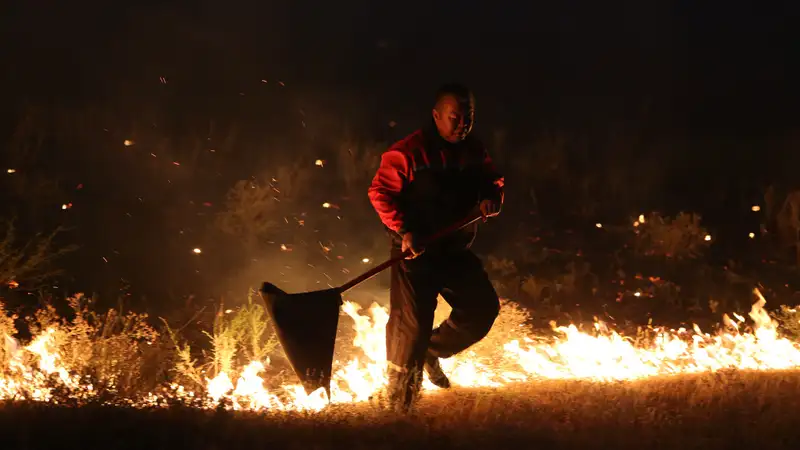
x=461, y=280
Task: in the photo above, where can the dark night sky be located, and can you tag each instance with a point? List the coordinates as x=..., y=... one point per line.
x=705, y=65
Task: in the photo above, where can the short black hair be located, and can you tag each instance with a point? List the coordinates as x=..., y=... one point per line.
x=458, y=90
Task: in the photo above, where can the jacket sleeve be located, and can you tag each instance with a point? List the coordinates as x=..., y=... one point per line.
x=493, y=181
x=389, y=181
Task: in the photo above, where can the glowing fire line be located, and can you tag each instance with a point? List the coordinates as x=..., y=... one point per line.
x=507, y=355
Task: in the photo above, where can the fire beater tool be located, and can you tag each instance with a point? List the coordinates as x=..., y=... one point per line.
x=306, y=323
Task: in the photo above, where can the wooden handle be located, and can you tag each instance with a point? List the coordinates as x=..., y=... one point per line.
x=390, y=262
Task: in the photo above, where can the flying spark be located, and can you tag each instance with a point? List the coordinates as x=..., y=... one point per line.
x=197, y=251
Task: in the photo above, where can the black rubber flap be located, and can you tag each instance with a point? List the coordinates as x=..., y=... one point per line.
x=306, y=327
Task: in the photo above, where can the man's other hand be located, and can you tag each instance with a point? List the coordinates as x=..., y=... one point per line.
x=489, y=208
x=409, y=243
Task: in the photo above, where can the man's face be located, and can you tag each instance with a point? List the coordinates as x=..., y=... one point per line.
x=453, y=118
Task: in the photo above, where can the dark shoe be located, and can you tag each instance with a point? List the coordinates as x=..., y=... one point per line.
x=435, y=372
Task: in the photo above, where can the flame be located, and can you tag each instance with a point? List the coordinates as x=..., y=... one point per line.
x=511, y=353
x=605, y=355
x=29, y=381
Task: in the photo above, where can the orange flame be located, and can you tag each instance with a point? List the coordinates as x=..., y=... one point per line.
x=509, y=354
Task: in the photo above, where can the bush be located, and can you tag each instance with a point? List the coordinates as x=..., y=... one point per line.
x=237, y=338
x=682, y=237
x=91, y=356
x=29, y=265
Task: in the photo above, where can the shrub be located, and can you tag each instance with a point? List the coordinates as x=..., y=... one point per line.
x=28, y=265
x=237, y=337
x=681, y=237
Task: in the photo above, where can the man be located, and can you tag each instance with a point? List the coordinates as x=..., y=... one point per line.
x=427, y=181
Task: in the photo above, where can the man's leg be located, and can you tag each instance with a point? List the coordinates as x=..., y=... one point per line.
x=414, y=289
x=475, y=304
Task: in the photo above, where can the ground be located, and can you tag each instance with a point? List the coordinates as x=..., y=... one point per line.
x=704, y=411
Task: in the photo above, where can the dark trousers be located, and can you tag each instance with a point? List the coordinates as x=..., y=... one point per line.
x=461, y=280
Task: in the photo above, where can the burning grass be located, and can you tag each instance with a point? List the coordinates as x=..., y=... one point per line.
x=115, y=378
x=119, y=359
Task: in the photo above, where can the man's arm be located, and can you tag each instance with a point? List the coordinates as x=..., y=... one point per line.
x=389, y=180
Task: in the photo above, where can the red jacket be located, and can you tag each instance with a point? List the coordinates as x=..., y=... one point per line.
x=424, y=183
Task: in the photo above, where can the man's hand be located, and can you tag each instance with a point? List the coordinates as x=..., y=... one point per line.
x=489, y=208
x=410, y=244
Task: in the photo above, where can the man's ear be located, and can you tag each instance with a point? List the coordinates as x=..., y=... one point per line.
x=435, y=115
